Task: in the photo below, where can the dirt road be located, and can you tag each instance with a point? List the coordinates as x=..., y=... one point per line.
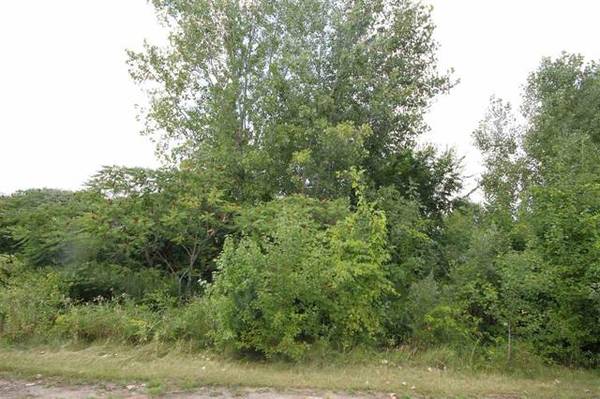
x=40, y=388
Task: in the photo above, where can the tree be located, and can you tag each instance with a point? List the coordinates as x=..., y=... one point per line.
x=499, y=138
x=38, y=224
x=542, y=187
x=560, y=104
x=255, y=91
x=299, y=279
x=171, y=218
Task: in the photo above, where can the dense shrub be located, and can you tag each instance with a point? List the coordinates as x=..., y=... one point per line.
x=269, y=293
x=358, y=280
x=88, y=281
x=191, y=323
x=107, y=320
x=423, y=297
x=29, y=304
x=278, y=293
x=444, y=325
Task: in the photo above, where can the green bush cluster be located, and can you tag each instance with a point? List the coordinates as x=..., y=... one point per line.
x=30, y=302
x=300, y=275
x=192, y=323
x=35, y=306
x=299, y=284
x=124, y=322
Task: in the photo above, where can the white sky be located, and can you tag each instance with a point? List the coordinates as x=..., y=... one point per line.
x=67, y=103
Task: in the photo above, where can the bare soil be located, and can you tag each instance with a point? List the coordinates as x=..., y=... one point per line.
x=40, y=388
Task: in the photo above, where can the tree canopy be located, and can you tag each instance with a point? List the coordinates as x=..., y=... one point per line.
x=284, y=97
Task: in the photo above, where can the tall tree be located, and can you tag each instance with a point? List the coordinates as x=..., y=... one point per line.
x=544, y=180
x=255, y=90
x=499, y=138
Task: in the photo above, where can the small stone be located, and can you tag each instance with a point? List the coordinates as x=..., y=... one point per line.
x=404, y=383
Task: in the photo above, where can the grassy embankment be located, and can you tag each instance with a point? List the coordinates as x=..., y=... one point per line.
x=391, y=372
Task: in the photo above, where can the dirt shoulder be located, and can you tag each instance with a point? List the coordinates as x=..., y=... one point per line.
x=41, y=388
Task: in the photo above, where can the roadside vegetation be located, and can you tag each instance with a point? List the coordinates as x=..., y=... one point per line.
x=296, y=221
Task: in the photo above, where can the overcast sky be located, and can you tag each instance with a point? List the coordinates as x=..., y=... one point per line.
x=67, y=103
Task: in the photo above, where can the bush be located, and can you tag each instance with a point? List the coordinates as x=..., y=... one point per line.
x=269, y=299
x=191, y=323
x=443, y=325
x=123, y=320
x=524, y=358
x=29, y=304
x=300, y=283
x=357, y=281
x=110, y=320
x=91, y=280
x=423, y=297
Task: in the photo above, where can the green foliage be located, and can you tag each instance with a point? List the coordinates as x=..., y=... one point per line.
x=39, y=225
x=424, y=295
x=29, y=304
x=444, y=325
x=257, y=221
x=499, y=138
x=564, y=220
x=358, y=280
x=192, y=322
x=561, y=100
x=266, y=112
x=176, y=220
x=298, y=284
x=542, y=190
x=423, y=176
x=269, y=292
x=90, y=281
x=158, y=318
x=409, y=238
x=277, y=97
x=107, y=320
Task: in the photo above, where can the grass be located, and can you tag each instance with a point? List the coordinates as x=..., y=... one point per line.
x=166, y=369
